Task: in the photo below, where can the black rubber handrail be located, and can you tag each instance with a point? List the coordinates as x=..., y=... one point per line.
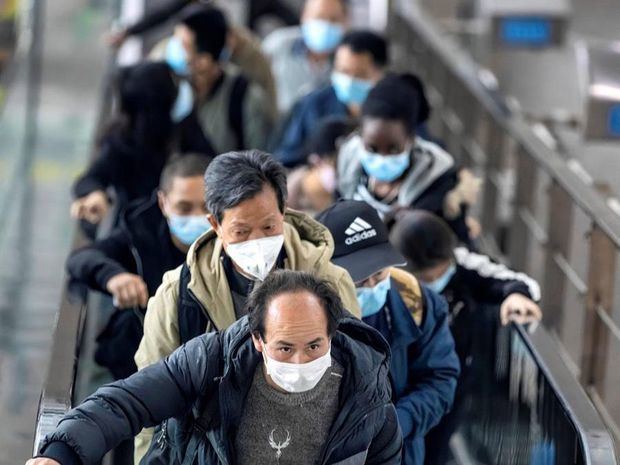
x=58, y=386
x=597, y=443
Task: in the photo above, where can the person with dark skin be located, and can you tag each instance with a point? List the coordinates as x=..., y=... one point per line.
x=156, y=118
x=152, y=237
x=391, y=168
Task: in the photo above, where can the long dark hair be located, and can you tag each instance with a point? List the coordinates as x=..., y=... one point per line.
x=144, y=96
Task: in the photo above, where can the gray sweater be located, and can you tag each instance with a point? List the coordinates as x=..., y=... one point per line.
x=287, y=428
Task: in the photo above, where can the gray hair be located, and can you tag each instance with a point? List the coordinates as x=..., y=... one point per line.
x=234, y=177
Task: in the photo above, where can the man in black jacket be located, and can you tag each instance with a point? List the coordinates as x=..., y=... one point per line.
x=294, y=382
x=153, y=237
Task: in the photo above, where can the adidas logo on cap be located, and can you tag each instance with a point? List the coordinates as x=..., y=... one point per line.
x=358, y=231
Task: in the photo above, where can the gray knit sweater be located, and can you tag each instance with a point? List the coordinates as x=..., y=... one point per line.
x=287, y=428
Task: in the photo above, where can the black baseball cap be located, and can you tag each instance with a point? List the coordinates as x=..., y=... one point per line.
x=362, y=245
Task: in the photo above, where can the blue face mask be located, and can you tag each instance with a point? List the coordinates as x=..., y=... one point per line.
x=321, y=36
x=225, y=55
x=188, y=228
x=440, y=283
x=385, y=168
x=372, y=299
x=350, y=90
x=176, y=57
x=184, y=104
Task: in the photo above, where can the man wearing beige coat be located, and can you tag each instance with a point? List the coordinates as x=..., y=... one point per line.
x=252, y=233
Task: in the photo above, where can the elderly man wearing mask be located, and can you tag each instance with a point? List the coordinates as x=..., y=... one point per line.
x=296, y=381
x=252, y=234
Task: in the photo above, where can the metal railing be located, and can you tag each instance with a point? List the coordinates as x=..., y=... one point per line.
x=522, y=405
x=69, y=325
x=548, y=222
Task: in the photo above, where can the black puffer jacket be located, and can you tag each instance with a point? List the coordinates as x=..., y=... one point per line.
x=222, y=364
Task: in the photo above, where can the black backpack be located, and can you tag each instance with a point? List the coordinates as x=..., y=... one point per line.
x=178, y=442
x=235, y=109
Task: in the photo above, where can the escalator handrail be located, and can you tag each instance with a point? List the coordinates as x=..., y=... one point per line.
x=597, y=443
x=58, y=385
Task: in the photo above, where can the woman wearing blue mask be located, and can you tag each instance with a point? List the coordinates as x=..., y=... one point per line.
x=471, y=283
x=155, y=119
x=388, y=165
x=413, y=319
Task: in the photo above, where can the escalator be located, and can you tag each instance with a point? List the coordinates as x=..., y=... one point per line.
x=526, y=405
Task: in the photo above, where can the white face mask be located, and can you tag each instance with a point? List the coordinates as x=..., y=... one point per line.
x=256, y=257
x=297, y=377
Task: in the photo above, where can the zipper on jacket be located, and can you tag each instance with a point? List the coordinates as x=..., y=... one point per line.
x=195, y=299
x=352, y=426
x=162, y=440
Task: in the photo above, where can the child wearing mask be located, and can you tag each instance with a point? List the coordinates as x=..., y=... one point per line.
x=392, y=168
x=155, y=119
x=313, y=187
x=412, y=318
x=468, y=281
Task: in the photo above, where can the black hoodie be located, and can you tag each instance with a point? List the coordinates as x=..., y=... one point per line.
x=365, y=429
x=134, y=171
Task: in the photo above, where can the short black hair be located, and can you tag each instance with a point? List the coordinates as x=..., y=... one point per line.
x=323, y=140
x=209, y=27
x=280, y=282
x=424, y=239
x=183, y=166
x=234, y=177
x=366, y=41
x=400, y=98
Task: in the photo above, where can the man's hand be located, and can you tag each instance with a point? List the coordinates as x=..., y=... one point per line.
x=92, y=208
x=128, y=290
x=520, y=309
x=42, y=461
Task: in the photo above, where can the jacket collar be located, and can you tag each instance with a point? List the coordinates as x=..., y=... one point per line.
x=308, y=246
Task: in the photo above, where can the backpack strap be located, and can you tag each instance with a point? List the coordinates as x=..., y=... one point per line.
x=209, y=415
x=235, y=109
x=191, y=316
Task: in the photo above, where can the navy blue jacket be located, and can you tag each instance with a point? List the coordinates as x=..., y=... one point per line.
x=424, y=368
x=304, y=117
x=213, y=373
